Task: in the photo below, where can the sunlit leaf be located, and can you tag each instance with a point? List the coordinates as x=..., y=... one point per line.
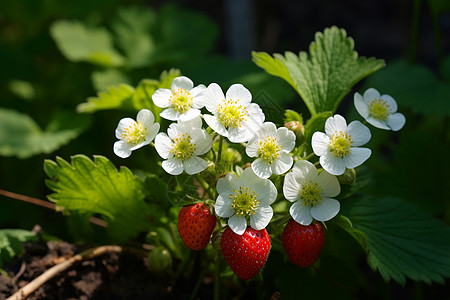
x=113, y=98
x=403, y=241
x=272, y=65
x=97, y=187
x=80, y=43
x=11, y=243
x=20, y=135
x=325, y=75
x=103, y=79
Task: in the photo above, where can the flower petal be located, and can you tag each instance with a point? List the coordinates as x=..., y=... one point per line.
x=122, y=149
x=390, y=102
x=223, y=206
x=329, y=184
x=146, y=117
x=198, y=93
x=356, y=157
x=326, y=210
x=170, y=114
x=237, y=224
x=252, y=147
x=320, y=143
x=335, y=124
x=332, y=164
x=194, y=165
x=239, y=92
x=291, y=187
x=215, y=125
x=123, y=124
x=396, y=121
x=301, y=214
x=182, y=82
x=370, y=95
x=282, y=164
x=360, y=105
x=212, y=97
x=202, y=140
x=360, y=133
x=239, y=135
x=227, y=184
x=163, y=145
x=304, y=170
x=286, y=139
x=152, y=131
x=262, y=218
x=377, y=123
x=173, y=166
x=261, y=168
x=161, y=97
x=188, y=115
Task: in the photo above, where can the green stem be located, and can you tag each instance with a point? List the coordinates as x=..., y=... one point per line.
x=309, y=156
x=203, y=183
x=198, y=284
x=219, y=154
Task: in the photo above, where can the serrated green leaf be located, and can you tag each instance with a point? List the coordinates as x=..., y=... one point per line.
x=273, y=66
x=11, y=243
x=403, y=240
x=291, y=115
x=20, y=136
x=325, y=75
x=97, y=187
x=358, y=235
x=132, y=28
x=113, y=98
x=80, y=43
x=414, y=86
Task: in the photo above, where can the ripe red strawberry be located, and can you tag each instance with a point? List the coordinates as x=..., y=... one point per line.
x=247, y=253
x=303, y=244
x=195, y=225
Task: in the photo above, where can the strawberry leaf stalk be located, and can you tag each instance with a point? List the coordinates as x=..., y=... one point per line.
x=246, y=254
x=195, y=225
x=303, y=244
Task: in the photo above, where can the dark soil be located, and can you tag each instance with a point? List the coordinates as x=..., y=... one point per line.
x=110, y=276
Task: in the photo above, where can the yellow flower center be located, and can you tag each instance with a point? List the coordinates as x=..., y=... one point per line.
x=244, y=201
x=269, y=150
x=135, y=133
x=340, y=144
x=379, y=109
x=310, y=193
x=181, y=100
x=182, y=148
x=231, y=114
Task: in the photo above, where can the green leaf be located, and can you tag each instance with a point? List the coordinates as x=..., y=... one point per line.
x=414, y=86
x=273, y=66
x=132, y=28
x=291, y=115
x=316, y=123
x=20, y=135
x=115, y=97
x=80, y=43
x=11, y=243
x=104, y=79
x=97, y=187
x=325, y=75
x=403, y=240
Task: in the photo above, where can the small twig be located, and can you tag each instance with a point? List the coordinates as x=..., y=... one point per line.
x=61, y=267
x=46, y=204
x=20, y=273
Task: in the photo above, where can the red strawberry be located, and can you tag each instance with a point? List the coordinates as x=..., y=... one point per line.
x=247, y=253
x=195, y=225
x=303, y=244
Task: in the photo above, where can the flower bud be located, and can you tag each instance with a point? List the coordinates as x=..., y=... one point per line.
x=160, y=260
x=348, y=177
x=298, y=128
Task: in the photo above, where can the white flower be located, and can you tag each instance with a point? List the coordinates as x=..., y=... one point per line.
x=379, y=110
x=310, y=193
x=338, y=147
x=233, y=116
x=181, y=146
x=182, y=102
x=247, y=196
x=133, y=134
x=272, y=147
